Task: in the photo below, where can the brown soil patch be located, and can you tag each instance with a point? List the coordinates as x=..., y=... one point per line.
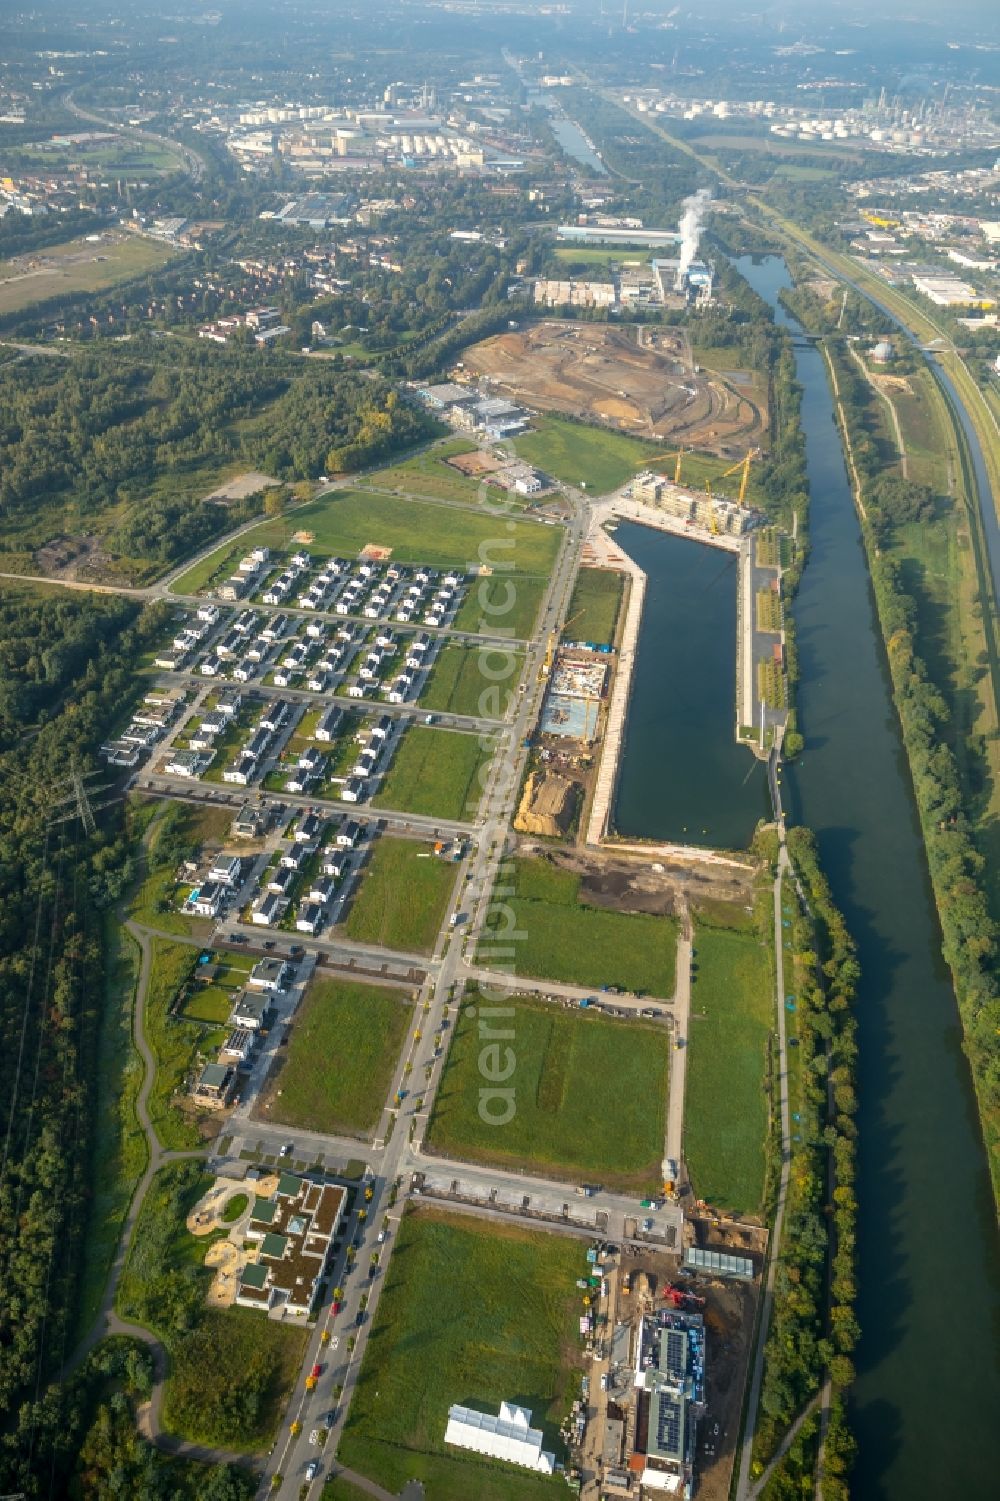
x=636, y=883
x=639, y=381
x=475, y=463
x=228, y=1262
x=547, y=805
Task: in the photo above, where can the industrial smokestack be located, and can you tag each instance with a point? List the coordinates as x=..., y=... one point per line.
x=690, y=230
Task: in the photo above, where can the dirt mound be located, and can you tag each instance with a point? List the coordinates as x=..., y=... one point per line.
x=547, y=805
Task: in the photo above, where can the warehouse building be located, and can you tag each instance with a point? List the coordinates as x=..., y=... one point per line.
x=508, y=1436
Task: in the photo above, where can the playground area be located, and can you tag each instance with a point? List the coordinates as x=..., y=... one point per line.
x=224, y=1211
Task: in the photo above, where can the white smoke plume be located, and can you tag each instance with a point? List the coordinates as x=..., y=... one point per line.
x=690, y=228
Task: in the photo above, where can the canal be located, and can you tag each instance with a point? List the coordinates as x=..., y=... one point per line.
x=927, y=1397
x=682, y=775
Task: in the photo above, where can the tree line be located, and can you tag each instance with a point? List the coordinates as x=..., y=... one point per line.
x=958, y=870
x=814, y=1330
x=72, y=663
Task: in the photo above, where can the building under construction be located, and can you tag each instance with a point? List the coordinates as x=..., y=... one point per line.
x=711, y=512
x=651, y=1428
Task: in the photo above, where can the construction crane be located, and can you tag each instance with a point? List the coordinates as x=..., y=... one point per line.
x=550, y=646
x=743, y=464
x=678, y=456
x=679, y=1297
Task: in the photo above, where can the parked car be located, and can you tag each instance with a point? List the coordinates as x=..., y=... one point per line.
x=312, y=1469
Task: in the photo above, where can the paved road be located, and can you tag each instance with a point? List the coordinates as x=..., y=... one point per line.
x=194, y=163
x=774, y=1250
x=420, y=1068
x=674, y=1144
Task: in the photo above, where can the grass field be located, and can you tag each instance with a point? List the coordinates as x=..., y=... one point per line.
x=403, y=897
x=506, y=604
x=436, y=772
x=177, y=1045
x=177, y=830
x=428, y=473
x=465, y=680
x=562, y=1122
x=593, y=608
x=725, y=1108
x=562, y=938
x=76, y=266
x=471, y=1313
x=339, y=1062
x=230, y=1369
x=344, y=521
x=576, y=454
x=584, y=255
x=119, y=1152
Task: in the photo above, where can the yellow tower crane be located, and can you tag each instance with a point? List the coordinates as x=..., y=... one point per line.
x=744, y=465
x=678, y=456
x=550, y=647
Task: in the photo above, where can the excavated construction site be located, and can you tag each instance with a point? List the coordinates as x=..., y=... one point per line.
x=641, y=381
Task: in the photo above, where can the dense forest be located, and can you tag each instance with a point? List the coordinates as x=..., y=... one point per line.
x=127, y=446
x=66, y=687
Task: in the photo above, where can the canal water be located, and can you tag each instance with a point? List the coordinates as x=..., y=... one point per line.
x=927, y=1398
x=569, y=135
x=682, y=775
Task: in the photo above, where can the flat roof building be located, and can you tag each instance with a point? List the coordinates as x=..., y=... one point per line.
x=508, y=1436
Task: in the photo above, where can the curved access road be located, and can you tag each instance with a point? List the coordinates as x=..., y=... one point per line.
x=192, y=161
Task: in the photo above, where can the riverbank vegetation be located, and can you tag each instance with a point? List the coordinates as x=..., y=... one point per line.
x=813, y=1329
x=954, y=834
x=561, y=1121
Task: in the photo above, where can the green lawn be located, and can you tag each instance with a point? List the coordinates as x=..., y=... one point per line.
x=403, y=898
x=209, y=1003
x=593, y=609
x=75, y=266
x=585, y=255
x=562, y=1122
x=177, y=1045
x=429, y=473
x=230, y=1369
x=574, y=453
x=472, y=680
x=504, y=604
x=339, y=1062
x=559, y=937
x=472, y=1313
x=725, y=1108
x=179, y=831
x=344, y=521
x=436, y=772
